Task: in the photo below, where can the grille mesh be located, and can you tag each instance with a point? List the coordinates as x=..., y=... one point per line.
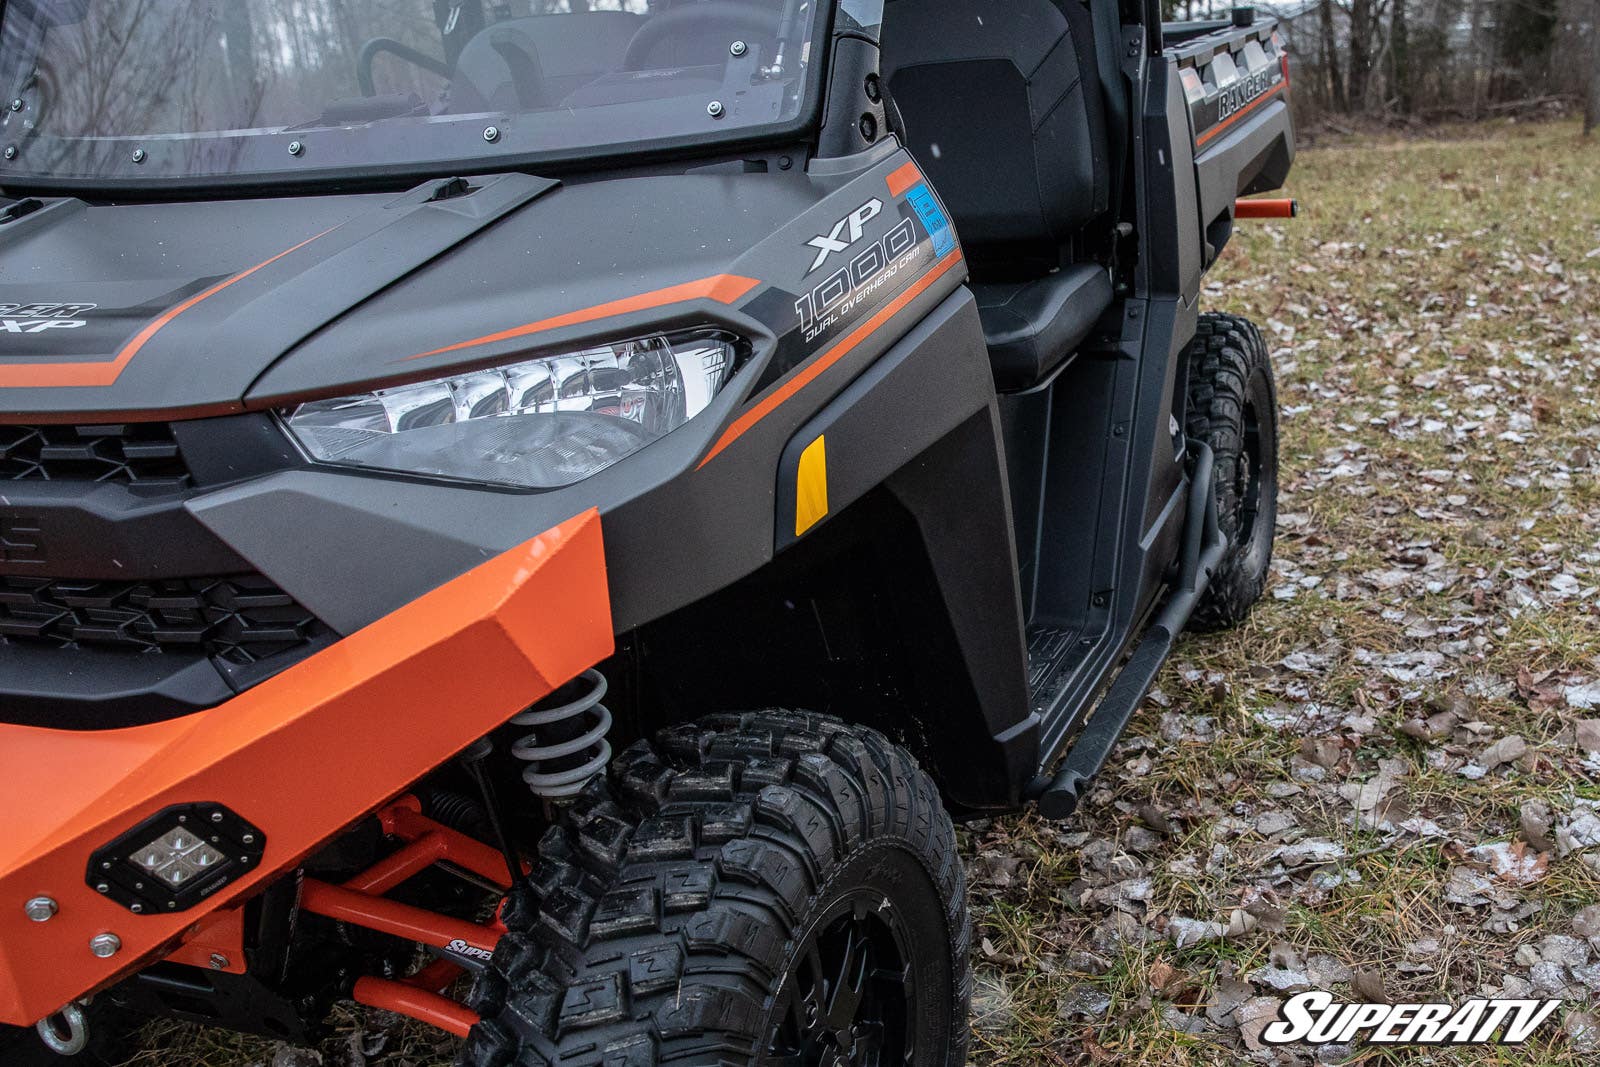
x=240, y=619
x=139, y=453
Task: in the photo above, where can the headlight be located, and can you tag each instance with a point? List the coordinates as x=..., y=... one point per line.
x=538, y=424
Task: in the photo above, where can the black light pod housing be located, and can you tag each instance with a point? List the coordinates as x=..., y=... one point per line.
x=176, y=858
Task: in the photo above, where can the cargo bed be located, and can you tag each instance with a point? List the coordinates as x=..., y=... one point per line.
x=1235, y=80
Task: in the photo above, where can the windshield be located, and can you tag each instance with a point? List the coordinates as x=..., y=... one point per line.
x=194, y=89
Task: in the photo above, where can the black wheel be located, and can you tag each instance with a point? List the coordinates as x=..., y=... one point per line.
x=1233, y=407
x=771, y=888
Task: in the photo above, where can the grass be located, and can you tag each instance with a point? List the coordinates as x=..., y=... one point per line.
x=1435, y=316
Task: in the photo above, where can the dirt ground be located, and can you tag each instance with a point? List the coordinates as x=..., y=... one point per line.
x=1387, y=784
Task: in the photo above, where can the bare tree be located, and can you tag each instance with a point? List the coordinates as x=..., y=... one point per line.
x=1329, y=40
x=1399, y=60
x=1591, y=111
x=1364, y=23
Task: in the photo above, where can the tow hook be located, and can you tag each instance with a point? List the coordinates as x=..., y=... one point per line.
x=66, y=1033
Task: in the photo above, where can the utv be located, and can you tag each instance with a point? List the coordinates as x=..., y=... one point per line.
x=531, y=517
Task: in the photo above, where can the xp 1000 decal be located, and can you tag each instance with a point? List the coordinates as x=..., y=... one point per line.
x=854, y=285
x=899, y=254
x=845, y=233
x=863, y=259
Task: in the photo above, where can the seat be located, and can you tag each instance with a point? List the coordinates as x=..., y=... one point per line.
x=537, y=60
x=1031, y=326
x=1002, y=108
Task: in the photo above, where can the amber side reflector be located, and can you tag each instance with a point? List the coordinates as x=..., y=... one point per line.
x=811, y=487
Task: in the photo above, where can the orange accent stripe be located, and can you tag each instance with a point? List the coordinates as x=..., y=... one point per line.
x=723, y=288
x=50, y=375
x=809, y=371
x=903, y=178
x=1276, y=92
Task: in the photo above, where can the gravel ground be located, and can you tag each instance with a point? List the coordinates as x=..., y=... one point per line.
x=1387, y=784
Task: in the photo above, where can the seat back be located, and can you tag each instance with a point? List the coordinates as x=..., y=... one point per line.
x=537, y=60
x=1002, y=109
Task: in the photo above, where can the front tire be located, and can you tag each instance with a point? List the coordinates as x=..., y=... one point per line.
x=1233, y=407
x=769, y=888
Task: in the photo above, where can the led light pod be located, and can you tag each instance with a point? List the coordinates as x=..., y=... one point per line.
x=176, y=858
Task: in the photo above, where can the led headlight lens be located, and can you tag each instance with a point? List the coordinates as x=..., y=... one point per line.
x=538, y=424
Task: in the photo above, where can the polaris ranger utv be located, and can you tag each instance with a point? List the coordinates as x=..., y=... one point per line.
x=533, y=518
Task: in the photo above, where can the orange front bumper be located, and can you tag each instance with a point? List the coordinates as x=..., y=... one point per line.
x=302, y=755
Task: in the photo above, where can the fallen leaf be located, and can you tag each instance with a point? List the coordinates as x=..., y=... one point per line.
x=1535, y=820
x=1229, y=995
x=1367, y=985
x=1186, y=932
x=1254, y=1015
x=1164, y=976
x=1513, y=861
x=1506, y=750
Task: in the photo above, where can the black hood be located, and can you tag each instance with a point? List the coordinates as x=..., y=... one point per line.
x=185, y=310
x=175, y=309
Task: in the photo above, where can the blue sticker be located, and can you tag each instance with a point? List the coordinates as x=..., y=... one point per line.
x=927, y=208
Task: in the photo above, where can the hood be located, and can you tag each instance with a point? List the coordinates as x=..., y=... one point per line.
x=185, y=310
x=175, y=309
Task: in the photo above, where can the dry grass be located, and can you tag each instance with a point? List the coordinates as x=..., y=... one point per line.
x=1436, y=323
x=1434, y=315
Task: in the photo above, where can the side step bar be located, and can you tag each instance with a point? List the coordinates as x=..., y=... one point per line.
x=1203, y=547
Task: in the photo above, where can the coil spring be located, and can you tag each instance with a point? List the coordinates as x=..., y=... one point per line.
x=591, y=744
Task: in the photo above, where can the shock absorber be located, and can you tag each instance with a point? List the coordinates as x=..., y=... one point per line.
x=567, y=745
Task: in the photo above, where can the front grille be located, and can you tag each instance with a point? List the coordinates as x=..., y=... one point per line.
x=239, y=619
x=135, y=453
